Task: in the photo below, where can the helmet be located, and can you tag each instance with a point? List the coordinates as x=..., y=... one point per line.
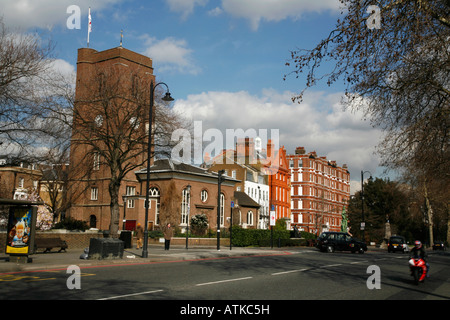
x=418, y=244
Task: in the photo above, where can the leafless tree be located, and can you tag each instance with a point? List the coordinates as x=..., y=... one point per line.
x=397, y=73
x=23, y=59
x=170, y=205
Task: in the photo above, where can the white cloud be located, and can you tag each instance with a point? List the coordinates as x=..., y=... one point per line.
x=63, y=67
x=185, y=7
x=270, y=10
x=170, y=54
x=27, y=14
x=215, y=12
x=318, y=124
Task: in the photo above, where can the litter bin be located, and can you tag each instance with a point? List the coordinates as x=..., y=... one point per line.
x=108, y=248
x=126, y=236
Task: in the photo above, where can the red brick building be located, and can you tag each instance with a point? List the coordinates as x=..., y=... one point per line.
x=18, y=180
x=264, y=177
x=177, y=191
x=319, y=191
x=184, y=188
x=111, y=108
x=279, y=179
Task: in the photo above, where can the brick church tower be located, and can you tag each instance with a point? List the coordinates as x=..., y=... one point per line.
x=109, y=136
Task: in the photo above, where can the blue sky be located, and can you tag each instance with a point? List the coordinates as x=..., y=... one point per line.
x=224, y=61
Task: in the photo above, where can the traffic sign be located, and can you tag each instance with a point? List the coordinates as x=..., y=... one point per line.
x=272, y=218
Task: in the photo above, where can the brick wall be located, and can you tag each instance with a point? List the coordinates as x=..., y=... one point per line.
x=81, y=240
x=75, y=240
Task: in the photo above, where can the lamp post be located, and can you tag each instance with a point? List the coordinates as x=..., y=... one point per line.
x=168, y=98
x=362, y=203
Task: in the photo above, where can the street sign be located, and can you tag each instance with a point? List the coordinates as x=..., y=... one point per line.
x=232, y=204
x=363, y=225
x=272, y=218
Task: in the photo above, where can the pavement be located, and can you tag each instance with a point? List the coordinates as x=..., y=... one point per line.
x=156, y=254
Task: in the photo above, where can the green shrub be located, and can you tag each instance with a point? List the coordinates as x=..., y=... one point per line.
x=256, y=237
x=155, y=234
x=71, y=224
x=199, y=224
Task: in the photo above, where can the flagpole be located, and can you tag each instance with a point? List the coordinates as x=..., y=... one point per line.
x=89, y=27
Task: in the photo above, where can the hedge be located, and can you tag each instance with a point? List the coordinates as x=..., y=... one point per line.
x=256, y=237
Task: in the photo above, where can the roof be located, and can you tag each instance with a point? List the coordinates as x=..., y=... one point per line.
x=244, y=200
x=168, y=165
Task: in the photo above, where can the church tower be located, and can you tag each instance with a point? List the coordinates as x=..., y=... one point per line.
x=109, y=136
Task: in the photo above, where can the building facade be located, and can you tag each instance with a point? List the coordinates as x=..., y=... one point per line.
x=279, y=179
x=18, y=180
x=110, y=133
x=264, y=177
x=320, y=190
x=179, y=191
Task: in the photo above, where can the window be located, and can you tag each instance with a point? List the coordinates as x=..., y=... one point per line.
x=185, y=202
x=96, y=161
x=233, y=174
x=222, y=208
x=154, y=196
x=250, y=218
x=21, y=182
x=204, y=195
x=94, y=193
x=131, y=191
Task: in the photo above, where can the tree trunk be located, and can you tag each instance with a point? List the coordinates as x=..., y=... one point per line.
x=429, y=212
x=448, y=225
x=114, y=206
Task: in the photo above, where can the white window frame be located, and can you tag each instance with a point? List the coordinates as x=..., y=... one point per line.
x=94, y=193
x=131, y=191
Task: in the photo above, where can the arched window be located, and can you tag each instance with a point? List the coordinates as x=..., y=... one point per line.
x=204, y=195
x=222, y=209
x=250, y=218
x=185, y=206
x=155, y=196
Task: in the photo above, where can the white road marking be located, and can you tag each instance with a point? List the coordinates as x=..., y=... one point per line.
x=332, y=265
x=291, y=271
x=131, y=294
x=222, y=281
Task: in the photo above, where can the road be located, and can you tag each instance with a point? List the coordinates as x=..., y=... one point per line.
x=294, y=274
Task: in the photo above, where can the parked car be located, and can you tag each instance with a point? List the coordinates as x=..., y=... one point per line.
x=397, y=243
x=339, y=241
x=438, y=245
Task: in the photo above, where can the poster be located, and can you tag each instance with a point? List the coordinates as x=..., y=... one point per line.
x=20, y=232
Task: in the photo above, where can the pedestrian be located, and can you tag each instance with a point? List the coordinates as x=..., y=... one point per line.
x=139, y=235
x=168, y=233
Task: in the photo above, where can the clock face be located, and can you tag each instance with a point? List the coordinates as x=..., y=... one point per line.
x=99, y=120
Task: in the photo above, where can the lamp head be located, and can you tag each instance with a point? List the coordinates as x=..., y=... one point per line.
x=167, y=97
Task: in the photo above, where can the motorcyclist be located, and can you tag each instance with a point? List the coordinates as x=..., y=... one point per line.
x=419, y=252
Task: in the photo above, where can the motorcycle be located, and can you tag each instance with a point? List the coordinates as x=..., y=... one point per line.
x=418, y=269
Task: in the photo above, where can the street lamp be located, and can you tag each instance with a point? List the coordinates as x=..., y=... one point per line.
x=363, y=226
x=167, y=98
